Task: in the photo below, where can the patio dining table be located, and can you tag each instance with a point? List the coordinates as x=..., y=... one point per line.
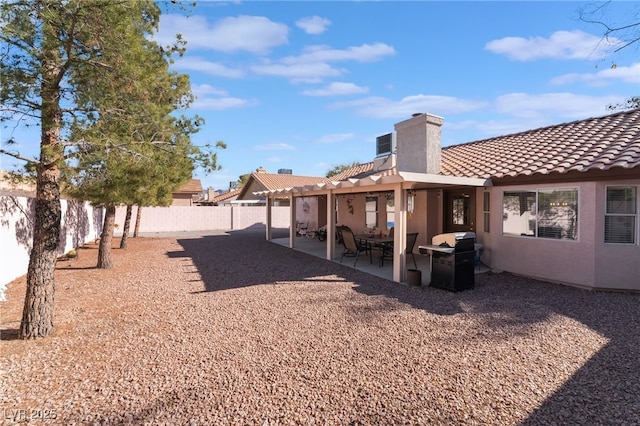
x=375, y=240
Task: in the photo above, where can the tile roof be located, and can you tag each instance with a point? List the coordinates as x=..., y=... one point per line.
x=599, y=143
x=226, y=195
x=194, y=186
x=353, y=172
x=277, y=180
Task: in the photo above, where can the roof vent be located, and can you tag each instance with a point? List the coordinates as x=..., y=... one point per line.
x=386, y=144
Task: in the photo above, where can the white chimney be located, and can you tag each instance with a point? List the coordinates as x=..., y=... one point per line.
x=418, y=144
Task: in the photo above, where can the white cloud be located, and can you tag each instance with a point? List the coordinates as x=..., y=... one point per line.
x=518, y=112
x=603, y=77
x=277, y=146
x=336, y=89
x=207, y=89
x=335, y=138
x=255, y=34
x=560, y=45
x=567, y=106
x=379, y=107
x=308, y=73
x=363, y=53
x=313, y=24
x=208, y=67
x=274, y=159
x=314, y=65
x=221, y=103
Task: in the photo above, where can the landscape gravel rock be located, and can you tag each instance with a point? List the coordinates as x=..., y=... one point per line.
x=231, y=329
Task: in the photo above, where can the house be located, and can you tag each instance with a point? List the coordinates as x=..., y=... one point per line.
x=260, y=181
x=558, y=203
x=225, y=198
x=9, y=186
x=310, y=211
x=187, y=194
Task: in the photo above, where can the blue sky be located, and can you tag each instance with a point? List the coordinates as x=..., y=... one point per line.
x=308, y=85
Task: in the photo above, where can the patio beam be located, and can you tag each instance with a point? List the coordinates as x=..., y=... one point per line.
x=331, y=225
x=293, y=221
x=269, y=202
x=399, y=233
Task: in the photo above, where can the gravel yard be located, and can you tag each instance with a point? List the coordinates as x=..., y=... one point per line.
x=232, y=329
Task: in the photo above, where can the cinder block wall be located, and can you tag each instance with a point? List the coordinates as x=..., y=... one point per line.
x=81, y=223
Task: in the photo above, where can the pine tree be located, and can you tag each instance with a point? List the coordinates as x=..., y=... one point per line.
x=57, y=56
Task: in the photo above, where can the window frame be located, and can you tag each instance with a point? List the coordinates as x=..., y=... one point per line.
x=390, y=210
x=368, y=212
x=635, y=215
x=486, y=212
x=536, y=215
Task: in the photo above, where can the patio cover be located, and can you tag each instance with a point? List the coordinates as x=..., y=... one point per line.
x=387, y=180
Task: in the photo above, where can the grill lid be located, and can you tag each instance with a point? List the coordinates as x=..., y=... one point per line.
x=451, y=239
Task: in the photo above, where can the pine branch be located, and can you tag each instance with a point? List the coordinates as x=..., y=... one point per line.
x=18, y=156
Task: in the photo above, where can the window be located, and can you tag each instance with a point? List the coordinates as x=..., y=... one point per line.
x=486, y=217
x=545, y=213
x=390, y=210
x=460, y=209
x=621, y=215
x=371, y=212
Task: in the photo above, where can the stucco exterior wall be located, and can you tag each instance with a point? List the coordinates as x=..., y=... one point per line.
x=616, y=265
x=351, y=208
x=587, y=261
x=307, y=212
x=419, y=220
x=182, y=200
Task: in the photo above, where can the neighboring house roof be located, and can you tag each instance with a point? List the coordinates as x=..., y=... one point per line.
x=260, y=181
x=601, y=143
x=353, y=172
x=225, y=196
x=194, y=186
x=272, y=180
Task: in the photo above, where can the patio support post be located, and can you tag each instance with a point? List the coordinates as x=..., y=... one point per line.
x=292, y=220
x=331, y=225
x=269, y=217
x=399, y=233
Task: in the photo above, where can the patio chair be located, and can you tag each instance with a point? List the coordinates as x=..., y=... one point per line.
x=352, y=247
x=339, y=230
x=387, y=249
x=302, y=228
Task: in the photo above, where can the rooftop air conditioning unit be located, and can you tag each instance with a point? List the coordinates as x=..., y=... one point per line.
x=386, y=144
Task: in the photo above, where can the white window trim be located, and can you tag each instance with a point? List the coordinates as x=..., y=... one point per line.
x=636, y=214
x=537, y=191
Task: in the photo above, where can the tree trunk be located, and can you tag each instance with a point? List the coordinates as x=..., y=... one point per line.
x=125, y=228
x=37, y=313
x=138, y=216
x=104, y=249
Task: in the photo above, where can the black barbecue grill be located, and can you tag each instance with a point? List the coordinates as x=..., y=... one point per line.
x=452, y=260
